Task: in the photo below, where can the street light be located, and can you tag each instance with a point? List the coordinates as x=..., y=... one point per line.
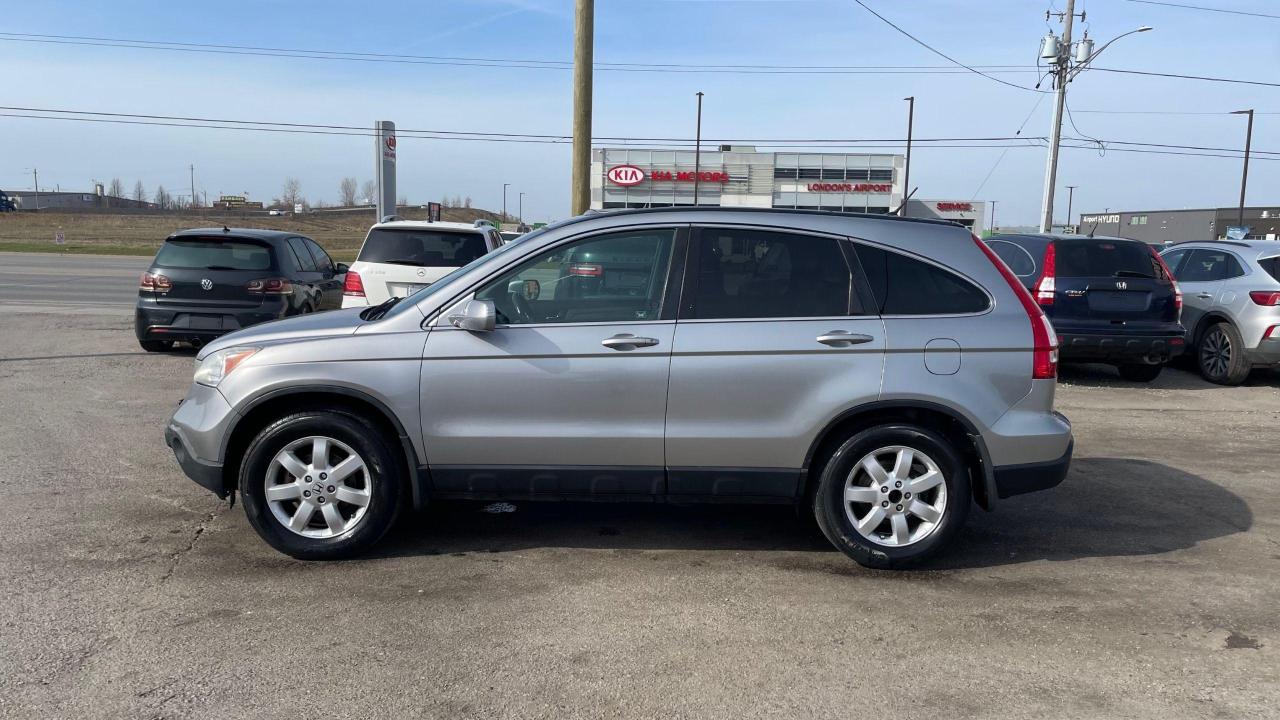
x=1244, y=177
x=504, y=202
x=1080, y=66
x=1071, y=196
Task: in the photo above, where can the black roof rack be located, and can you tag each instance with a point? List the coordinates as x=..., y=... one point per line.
x=595, y=213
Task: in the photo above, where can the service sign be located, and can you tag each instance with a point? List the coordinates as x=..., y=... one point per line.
x=625, y=175
x=955, y=207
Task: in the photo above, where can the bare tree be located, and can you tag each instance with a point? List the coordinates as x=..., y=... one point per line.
x=116, y=188
x=291, y=193
x=139, y=192
x=466, y=202
x=368, y=190
x=347, y=191
x=444, y=201
x=457, y=202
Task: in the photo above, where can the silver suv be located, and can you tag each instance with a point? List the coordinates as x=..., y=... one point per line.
x=880, y=372
x=1231, y=305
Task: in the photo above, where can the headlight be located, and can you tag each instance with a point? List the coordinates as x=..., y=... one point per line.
x=217, y=366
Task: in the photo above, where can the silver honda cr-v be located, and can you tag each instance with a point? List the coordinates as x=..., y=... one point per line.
x=883, y=372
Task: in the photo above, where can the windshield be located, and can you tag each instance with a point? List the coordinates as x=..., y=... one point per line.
x=414, y=299
x=214, y=254
x=1104, y=259
x=423, y=248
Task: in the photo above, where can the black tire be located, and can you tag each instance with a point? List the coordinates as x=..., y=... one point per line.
x=829, y=504
x=1220, y=355
x=386, y=474
x=1140, y=372
x=156, y=345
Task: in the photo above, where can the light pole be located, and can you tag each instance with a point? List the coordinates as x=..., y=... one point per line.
x=1244, y=177
x=993, y=216
x=1071, y=196
x=504, y=202
x=1059, y=55
x=520, y=211
x=583, y=49
x=35, y=178
x=906, y=180
x=697, y=150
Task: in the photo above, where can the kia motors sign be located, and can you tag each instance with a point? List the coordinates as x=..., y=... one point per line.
x=625, y=175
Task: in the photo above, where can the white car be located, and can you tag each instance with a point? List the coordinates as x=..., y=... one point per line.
x=400, y=257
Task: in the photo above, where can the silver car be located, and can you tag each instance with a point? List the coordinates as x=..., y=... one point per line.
x=1231, y=305
x=883, y=373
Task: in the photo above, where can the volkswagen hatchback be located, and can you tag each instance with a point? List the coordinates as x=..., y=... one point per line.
x=882, y=373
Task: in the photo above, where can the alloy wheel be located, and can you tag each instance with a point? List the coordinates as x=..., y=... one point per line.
x=318, y=487
x=895, y=496
x=1215, y=353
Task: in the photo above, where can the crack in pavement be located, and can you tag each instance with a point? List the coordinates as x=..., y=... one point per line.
x=176, y=557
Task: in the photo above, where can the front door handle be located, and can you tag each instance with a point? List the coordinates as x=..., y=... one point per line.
x=627, y=341
x=843, y=338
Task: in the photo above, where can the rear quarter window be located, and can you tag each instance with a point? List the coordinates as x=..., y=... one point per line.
x=214, y=254
x=906, y=286
x=1013, y=255
x=423, y=248
x=1272, y=266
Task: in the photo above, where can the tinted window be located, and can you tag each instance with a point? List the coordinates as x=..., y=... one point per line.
x=1018, y=260
x=1173, y=258
x=760, y=274
x=1104, y=259
x=422, y=248
x=906, y=286
x=1272, y=266
x=609, y=278
x=1209, y=266
x=323, y=263
x=214, y=254
x=305, y=263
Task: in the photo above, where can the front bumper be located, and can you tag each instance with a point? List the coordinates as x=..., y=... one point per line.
x=1020, y=479
x=1152, y=349
x=195, y=434
x=207, y=474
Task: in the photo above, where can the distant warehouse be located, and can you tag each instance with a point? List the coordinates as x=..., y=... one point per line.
x=1175, y=226
x=739, y=176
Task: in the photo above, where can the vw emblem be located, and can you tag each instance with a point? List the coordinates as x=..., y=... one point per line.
x=1122, y=285
x=206, y=283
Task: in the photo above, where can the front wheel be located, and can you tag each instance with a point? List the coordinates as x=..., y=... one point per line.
x=1140, y=372
x=892, y=496
x=321, y=485
x=1221, y=355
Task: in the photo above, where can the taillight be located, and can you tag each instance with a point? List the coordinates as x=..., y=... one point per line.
x=1177, y=291
x=1044, y=354
x=1265, y=297
x=1271, y=332
x=586, y=269
x=1047, y=284
x=353, y=286
x=154, y=282
x=270, y=286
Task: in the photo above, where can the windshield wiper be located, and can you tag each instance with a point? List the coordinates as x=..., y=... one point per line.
x=380, y=309
x=398, y=262
x=1132, y=274
x=218, y=267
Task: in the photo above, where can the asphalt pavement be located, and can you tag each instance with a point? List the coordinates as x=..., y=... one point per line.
x=50, y=281
x=1146, y=586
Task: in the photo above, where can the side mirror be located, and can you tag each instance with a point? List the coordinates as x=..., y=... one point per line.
x=341, y=268
x=476, y=316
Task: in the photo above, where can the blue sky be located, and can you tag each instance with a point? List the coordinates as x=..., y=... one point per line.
x=763, y=32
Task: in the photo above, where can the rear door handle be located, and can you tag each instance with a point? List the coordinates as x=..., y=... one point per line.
x=1205, y=296
x=627, y=341
x=843, y=338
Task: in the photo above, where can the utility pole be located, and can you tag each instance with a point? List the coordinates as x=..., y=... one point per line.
x=697, y=150
x=520, y=210
x=1244, y=178
x=1061, y=65
x=906, y=180
x=504, y=202
x=1071, y=195
x=583, y=46
x=193, y=184
x=993, y=216
x=35, y=176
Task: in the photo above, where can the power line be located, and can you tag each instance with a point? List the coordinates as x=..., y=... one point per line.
x=1206, y=9
x=1166, y=112
x=941, y=54
x=1186, y=77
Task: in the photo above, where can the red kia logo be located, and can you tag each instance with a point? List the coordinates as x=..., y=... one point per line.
x=625, y=175
x=391, y=142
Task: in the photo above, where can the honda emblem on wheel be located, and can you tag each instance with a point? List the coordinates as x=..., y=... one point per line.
x=206, y=283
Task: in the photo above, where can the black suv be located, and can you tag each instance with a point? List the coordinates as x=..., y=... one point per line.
x=1111, y=300
x=207, y=282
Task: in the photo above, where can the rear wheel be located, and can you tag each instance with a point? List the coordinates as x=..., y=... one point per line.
x=892, y=496
x=1140, y=372
x=156, y=345
x=321, y=485
x=1221, y=355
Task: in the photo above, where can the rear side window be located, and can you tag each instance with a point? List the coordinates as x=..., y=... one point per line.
x=1018, y=259
x=1105, y=259
x=1272, y=266
x=906, y=286
x=305, y=263
x=763, y=274
x=214, y=254
x=423, y=248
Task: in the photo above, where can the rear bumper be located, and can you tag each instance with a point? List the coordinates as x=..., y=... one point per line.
x=1154, y=349
x=1267, y=352
x=1021, y=479
x=182, y=322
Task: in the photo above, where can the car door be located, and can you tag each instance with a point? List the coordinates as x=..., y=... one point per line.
x=567, y=394
x=306, y=280
x=1199, y=275
x=329, y=284
x=772, y=341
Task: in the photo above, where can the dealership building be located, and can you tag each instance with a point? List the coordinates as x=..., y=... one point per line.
x=739, y=176
x=1174, y=226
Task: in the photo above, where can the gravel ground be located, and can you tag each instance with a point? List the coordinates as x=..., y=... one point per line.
x=1147, y=585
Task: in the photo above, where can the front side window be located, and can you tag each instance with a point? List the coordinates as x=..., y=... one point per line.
x=609, y=278
x=305, y=263
x=322, y=260
x=1210, y=266
x=1173, y=259
x=764, y=274
x=422, y=248
x=906, y=286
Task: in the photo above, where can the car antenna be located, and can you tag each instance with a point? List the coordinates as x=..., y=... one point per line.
x=226, y=229
x=898, y=209
x=1093, y=229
